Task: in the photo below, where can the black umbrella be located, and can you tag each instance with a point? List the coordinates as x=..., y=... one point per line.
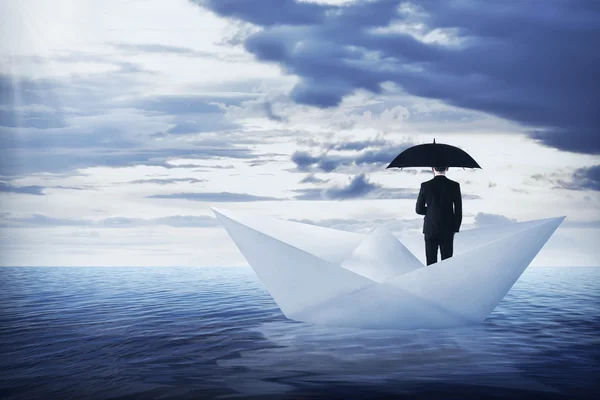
x=433, y=155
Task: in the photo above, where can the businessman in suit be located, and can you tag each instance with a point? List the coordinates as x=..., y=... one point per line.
x=441, y=203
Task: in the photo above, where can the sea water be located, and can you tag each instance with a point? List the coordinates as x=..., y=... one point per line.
x=215, y=332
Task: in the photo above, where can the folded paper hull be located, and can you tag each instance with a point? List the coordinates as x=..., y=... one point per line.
x=336, y=278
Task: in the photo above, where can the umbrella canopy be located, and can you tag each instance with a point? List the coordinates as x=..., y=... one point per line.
x=434, y=155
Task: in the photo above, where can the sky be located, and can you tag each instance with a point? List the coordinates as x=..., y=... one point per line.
x=123, y=122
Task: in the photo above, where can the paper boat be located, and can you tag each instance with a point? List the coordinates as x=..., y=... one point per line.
x=337, y=278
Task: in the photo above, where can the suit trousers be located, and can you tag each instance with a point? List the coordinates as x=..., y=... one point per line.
x=444, y=242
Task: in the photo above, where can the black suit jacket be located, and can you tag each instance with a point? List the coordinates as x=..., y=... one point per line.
x=441, y=203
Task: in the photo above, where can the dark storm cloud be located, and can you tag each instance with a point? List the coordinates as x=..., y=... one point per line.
x=270, y=12
x=534, y=63
x=8, y=188
x=585, y=178
x=225, y=197
x=482, y=219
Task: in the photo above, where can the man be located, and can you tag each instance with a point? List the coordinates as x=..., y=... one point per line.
x=441, y=203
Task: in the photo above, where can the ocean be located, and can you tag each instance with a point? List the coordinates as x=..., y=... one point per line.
x=215, y=332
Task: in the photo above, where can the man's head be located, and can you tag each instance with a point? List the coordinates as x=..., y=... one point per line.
x=440, y=170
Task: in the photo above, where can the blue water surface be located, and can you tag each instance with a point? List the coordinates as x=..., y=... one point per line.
x=209, y=332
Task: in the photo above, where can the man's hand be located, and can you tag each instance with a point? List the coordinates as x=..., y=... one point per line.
x=457, y=209
x=421, y=208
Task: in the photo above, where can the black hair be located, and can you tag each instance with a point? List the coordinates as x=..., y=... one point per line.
x=440, y=169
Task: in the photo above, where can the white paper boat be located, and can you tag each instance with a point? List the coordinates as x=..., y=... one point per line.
x=337, y=278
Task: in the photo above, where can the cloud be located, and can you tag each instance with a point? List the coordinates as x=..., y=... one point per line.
x=365, y=226
x=188, y=104
x=218, y=123
x=16, y=117
x=483, y=219
x=76, y=94
x=42, y=220
x=94, y=137
x=153, y=48
x=528, y=63
x=177, y=221
x=270, y=12
x=15, y=93
x=215, y=197
x=359, y=187
x=313, y=179
x=187, y=221
x=27, y=103
x=268, y=107
x=168, y=181
x=519, y=190
x=141, y=48
x=585, y=178
x=169, y=50
x=35, y=190
x=56, y=160
x=595, y=224
x=326, y=162
x=358, y=145
x=538, y=177
x=193, y=113
x=303, y=160
x=107, y=130
x=217, y=166
x=67, y=187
